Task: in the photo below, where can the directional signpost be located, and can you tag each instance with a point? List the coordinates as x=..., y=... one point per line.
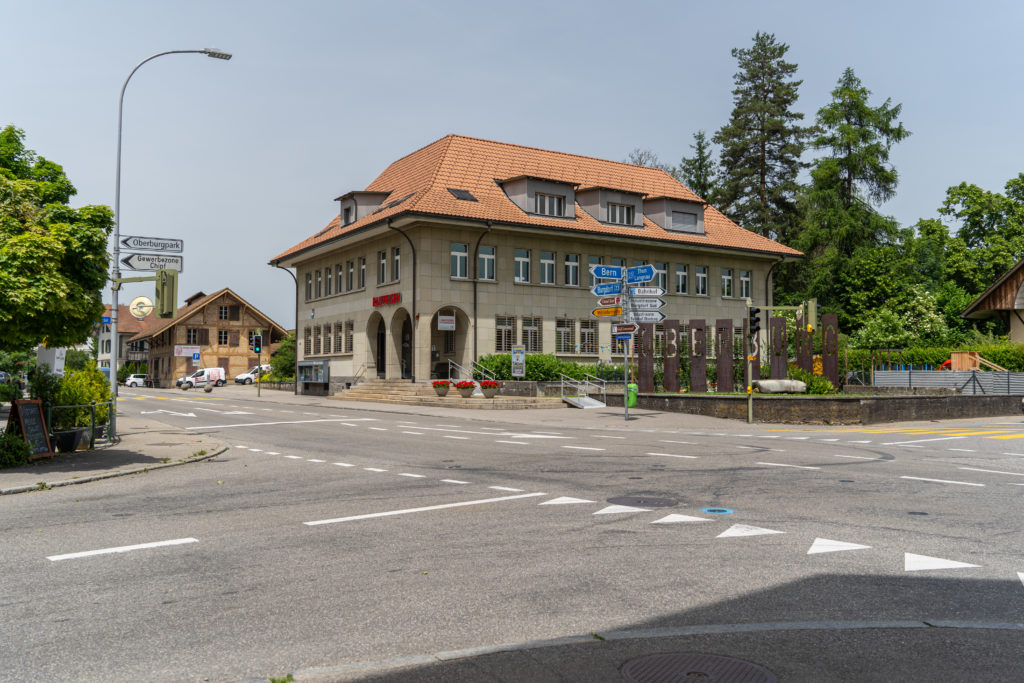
x=161, y=244
x=609, y=301
x=646, y=291
x=608, y=311
x=644, y=273
x=152, y=262
x=610, y=272
x=647, y=304
x=606, y=288
x=625, y=328
x=644, y=316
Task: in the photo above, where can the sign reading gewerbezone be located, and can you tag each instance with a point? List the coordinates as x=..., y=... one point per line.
x=162, y=244
x=153, y=262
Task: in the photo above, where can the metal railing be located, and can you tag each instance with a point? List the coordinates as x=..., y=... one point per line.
x=79, y=417
x=581, y=387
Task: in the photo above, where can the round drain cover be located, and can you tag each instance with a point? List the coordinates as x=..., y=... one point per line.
x=694, y=668
x=643, y=501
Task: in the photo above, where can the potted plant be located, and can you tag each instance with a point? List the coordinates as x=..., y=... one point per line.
x=466, y=387
x=489, y=387
x=441, y=387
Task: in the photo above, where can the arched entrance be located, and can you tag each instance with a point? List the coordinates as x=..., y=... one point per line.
x=376, y=346
x=449, y=340
x=401, y=339
x=382, y=349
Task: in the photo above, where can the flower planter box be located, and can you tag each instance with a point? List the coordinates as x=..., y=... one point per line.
x=489, y=392
x=466, y=392
x=441, y=389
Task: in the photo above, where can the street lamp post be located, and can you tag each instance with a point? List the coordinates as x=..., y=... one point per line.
x=115, y=343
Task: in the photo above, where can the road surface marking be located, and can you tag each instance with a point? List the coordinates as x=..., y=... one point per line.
x=746, y=530
x=449, y=426
x=423, y=509
x=517, y=443
x=859, y=442
x=855, y=457
x=121, y=549
x=343, y=464
x=454, y=481
x=449, y=436
x=256, y=450
x=618, y=509
x=1010, y=436
x=552, y=433
x=241, y=447
x=565, y=500
x=826, y=439
x=605, y=436
x=688, y=443
x=374, y=469
x=503, y=488
x=416, y=433
x=272, y=453
x=943, y=481
x=315, y=460
x=583, y=448
x=294, y=457
x=941, y=438
x=348, y=424
x=415, y=476
x=796, y=438
x=779, y=464
x=825, y=545
x=915, y=563
x=379, y=429
x=267, y=424
x=962, y=450
x=674, y=455
x=677, y=519
x=975, y=469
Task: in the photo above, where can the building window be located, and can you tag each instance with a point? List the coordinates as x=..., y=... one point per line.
x=349, y=327
x=307, y=345
x=620, y=213
x=338, y=338
x=593, y=261
x=683, y=221
x=319, y=284
x=362, y=272
x=618, y=346
x=547, y=267
x=382, y=267
x=620, y=262
x=222, y=313
x=459, y=261
x=550, y=204
x=702, y=281
x=565, y=336
x=522, y=265
x=745, y=278
x=532, y=334
x=350, y=282
x=316, y=339
x=661, y=276
x=346, y=215
x=572, y=270
x=588, y=336
x=191, y=337
x=449, y=342
x=327, y=337
x=328, y=272
x=504, y=333
x=726, y=281
x=222, y=337
x=396, y=264
x=340, y=276
x=485, y=263
x=309, y=286
x=682, y=279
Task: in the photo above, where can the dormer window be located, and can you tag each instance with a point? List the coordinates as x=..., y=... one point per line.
x=684, y=221
x=550, y=205
x=621, y=214
x=346, y=215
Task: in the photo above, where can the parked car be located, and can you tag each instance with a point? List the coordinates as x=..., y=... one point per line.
x=203, y=377
x=136, y=380
x=253, y=374
x=5, y=377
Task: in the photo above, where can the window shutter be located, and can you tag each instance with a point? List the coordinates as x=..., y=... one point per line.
x=233, y=313
x=204, y=336
x=233, y=337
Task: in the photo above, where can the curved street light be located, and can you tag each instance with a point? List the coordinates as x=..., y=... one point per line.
x=116, y=272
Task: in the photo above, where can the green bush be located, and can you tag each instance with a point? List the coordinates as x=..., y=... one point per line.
x=81, y=387
x=540, y=367
x=14, y=450
x=9, y=392
x=816, y=384
x=1007, y=355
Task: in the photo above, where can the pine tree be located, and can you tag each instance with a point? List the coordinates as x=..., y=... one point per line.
x=698, y=172
x=763, y=142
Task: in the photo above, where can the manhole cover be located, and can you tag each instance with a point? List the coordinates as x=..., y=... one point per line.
x=717, y=511
x=917, y=513
x=643, y=501
x=687, y=668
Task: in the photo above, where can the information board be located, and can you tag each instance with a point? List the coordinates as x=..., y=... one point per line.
x=519, y=361
x=27, y=418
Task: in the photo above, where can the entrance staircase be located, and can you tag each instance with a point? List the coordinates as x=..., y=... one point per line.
x=407, y=392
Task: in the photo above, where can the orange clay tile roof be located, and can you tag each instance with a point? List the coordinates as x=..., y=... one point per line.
x=126, y=322
x=476, y=165
x=154, y=326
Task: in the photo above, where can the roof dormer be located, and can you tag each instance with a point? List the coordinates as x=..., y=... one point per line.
x=359, y=204
x=676, y=215
x=612, y=206
x=541, y=196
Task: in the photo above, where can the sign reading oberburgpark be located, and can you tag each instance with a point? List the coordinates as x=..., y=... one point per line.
x=164, y=244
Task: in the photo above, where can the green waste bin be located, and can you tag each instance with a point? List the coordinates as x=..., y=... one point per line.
x=631, y=391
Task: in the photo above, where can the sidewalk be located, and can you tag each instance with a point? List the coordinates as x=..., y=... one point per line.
x=143, y=445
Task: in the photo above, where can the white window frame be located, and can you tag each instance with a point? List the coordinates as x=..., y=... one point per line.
x=727, y=277
x=620, y=214
x=533, y=328
x=572, y=270
x=362, y=272
x=319, y=284
x=222, y=313
x=701, y=285
x=565, y=335
x=549, y=204
x=485, y=263
x=661, y=275
x=593, y=261
x=396, y=264
x=522, y=266
x=382, y=267
x=458, y=261
x=683, y=270
x=547, y=267
x=504, y=333
x=746, y=279
x=588, y=336
x=328, y=273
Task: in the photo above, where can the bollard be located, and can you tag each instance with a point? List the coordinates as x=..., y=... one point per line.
x=92, y=425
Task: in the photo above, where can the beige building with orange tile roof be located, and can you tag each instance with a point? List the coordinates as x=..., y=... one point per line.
x=466, y=247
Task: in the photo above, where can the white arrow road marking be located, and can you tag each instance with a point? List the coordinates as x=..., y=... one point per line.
x=1020, y=575
x=915, y=563
x=565, y=500
x=616, y=509
x=825, y=545
x=676, y=519
x=169, y=412
x=423, y=509
x=746, y=530
x=121, y=549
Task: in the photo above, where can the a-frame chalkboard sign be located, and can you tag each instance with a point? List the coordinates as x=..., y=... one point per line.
x=27, y=419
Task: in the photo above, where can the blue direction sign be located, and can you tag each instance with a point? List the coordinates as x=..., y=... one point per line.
x=623, y=337
x=609, y=273
x=106, y=319
x=643, y=273
x=606, y=289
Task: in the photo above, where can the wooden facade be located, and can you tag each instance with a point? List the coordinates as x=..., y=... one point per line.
x=220, y=324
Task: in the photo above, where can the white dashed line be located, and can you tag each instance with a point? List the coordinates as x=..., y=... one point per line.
x=294, y=457
x=449, y=436
x=858, y=442
x=941, y=438
x=348, y=424
x=343, y=464
x=503, y=488
x=604, y=436
x=374, y=469
x=855, y=457
x=688, y=443
x=673, y=455
x=121, y=549
x=975, y=469
x=272, y=453
x=454, y=481
x=315, y=460
x=379, y=429
x=962, y=450
x=779, y=464
x=415, y=433
x=414, y=476
x=943, y=481
x=423, y=509
x=827, y=439
x=797, y=438
x=450, y=426
x=256, y=450
x=241, y=446
x=517, y=443
x=583, y=448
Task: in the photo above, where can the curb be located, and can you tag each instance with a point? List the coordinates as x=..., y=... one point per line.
x=108, y=475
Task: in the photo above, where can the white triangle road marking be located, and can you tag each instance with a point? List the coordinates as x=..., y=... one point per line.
x=675, y=519
x=825, y=545
x=914, y=563
x=565, y=500
x=1020, y=575
x=615, y=509
x=746, y=530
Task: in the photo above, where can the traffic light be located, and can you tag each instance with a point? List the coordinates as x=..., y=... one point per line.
x=166, y=304
x=257, y=343
x=754, y=315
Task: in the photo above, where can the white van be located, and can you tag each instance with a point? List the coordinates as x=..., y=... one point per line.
x=252, y=374
x=202, y=377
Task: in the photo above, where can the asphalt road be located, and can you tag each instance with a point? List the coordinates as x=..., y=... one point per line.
x=335, y=535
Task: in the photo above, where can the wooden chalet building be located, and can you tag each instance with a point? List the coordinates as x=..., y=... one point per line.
x=1003, y=299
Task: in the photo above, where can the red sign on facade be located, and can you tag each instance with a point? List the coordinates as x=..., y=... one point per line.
x=393, y=298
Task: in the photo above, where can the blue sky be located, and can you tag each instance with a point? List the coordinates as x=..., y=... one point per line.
x=242, y=159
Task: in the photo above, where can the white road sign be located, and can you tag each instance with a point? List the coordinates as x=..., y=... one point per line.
x=152, y=262
x=646, y=291
x=644, y=316
x=646, y=304
x=164, y=244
